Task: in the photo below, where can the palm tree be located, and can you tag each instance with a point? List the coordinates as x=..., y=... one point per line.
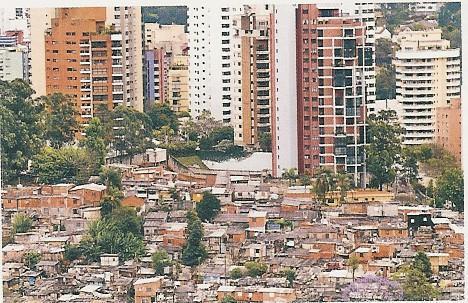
x=323, y=184
x=291, y=175
x=305, y=180
x=343, y=183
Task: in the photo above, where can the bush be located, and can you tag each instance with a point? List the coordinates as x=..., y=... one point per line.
x=236, y=273
x=255, y=269
x=21, y=224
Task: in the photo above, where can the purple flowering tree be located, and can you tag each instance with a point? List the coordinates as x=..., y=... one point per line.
x=372, y=288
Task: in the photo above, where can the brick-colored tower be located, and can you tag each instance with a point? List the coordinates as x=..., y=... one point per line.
x=82, y=60
x=330, y=91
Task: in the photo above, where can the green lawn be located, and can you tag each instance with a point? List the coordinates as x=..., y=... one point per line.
x=192, y=161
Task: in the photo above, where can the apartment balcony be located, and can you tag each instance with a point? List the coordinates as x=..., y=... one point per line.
x=85, y=71
x=263, y=88
x=414, y=78
x=87, y=62
x=85, y=80
x=417, y=128
x=85, y=88
x=87, y=45
x=414, y=64
x=85, y=98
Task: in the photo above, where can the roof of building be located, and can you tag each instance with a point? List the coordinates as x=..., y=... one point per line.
x=90, y=186
x=147, y=280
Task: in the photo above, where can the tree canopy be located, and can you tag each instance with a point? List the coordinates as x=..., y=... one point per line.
x=208, y=207
x=119, y=233
x=384, y=148
x=61, y=123
x=194, y=252
x=385, y=83
x=64, y=165
x=21, y=123
x=450, y=188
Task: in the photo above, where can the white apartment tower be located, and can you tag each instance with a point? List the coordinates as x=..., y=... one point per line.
x=210, y=59
x=427, y=77
x=284, y=105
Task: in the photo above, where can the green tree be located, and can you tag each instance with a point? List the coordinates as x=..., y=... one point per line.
x=111, y=177
x=72, y=252
x=208, y=207
x=228, y=299
x=449, y=187
x=323, y=184
x=21, y=224
x=211, y=140
x=385, y=83
x=422, y=262
x=161, y=115
x=194, y=252
x=291, y=175
x=22, y=128
x=353, y=264
x=61, y=123
x=160, y=261
x=415, y=284
x=31, y=259
x=236, y=273
x=255, y=269
x=409, y=164
x=264, y=140
x=130, y=131
x=305, y=180
x=383, y=149
x=112, y=200
x=67, y=164
x=383, y=52
x=395, y=14
x=113, y=235
x=290, y=276
x=165, y=134
x=343, y=183
x=94, y=141
x=164, y=14
x=449, y=19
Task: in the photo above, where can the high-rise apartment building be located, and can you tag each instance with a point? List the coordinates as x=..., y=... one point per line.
x=84, y=60
x=331, y=109
x=126, y=20
x=15, y=19
x=156, y=64
x=13, y=63
x=164, y=52
x=284, y=137
x=427, y=77
x=210, y=36
x=251, y=66
x=365, y=12
x=178, y=84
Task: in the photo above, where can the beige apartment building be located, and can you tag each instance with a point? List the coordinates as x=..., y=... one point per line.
x=427, y=77
x=178, y=84
x=251, y=92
